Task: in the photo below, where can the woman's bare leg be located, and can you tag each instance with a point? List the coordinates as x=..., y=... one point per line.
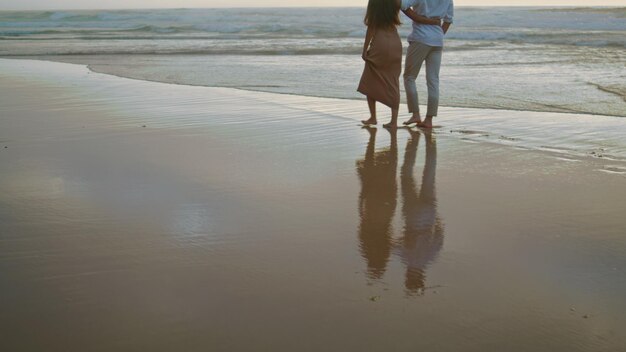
x=371, y=104
x=394, y=119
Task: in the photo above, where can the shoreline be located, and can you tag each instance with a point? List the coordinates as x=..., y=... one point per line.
x=60, y=59
x=556, y=7
x=486, y=126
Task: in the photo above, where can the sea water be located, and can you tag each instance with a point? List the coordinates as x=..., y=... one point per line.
x=540, y=59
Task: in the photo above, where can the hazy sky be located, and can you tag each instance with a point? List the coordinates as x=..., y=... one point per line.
x=97, y=4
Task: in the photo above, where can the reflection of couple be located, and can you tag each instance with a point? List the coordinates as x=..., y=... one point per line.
x=382, y=53
x=422, y=237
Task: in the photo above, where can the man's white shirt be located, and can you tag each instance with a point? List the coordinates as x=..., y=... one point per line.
x=429, y=34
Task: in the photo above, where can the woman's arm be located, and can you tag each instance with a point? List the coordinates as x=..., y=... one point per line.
x=368, y=38
x=410, y=13
x=445, y=26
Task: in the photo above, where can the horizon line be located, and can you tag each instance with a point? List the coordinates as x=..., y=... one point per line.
x=292, y=7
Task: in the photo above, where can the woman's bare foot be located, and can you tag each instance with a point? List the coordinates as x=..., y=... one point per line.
x=390, y=125
x=428, y=123
x=370, y=121
x=412, y=120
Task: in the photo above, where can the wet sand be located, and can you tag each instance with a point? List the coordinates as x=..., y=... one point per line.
x=141, y=216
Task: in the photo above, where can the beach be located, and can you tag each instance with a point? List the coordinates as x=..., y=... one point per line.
x=139, y=215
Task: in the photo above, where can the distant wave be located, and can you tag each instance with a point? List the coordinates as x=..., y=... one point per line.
x=146, y=32
x=260, y=31
x=207, y=46
x=304, y=31
x=80, y=15
x=577, y=38
x=133, y=51
x=612, y=11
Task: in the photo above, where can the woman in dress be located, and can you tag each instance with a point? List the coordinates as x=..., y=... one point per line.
x=382, y=53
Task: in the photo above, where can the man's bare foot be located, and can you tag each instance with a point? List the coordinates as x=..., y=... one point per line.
x=412, y=120
x=390, y=125
x=370, y=121
x=428, y=123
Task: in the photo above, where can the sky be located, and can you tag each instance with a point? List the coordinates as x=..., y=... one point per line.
x=98, y=4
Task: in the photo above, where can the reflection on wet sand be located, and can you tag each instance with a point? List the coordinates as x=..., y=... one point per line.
x=377, y=203
x=422, y=235
x=423, y=229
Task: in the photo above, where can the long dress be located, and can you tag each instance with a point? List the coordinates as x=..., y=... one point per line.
x=383, y=64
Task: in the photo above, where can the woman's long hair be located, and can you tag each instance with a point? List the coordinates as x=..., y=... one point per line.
x=382, y=13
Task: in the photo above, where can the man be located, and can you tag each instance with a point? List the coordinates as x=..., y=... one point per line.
x=425, y=45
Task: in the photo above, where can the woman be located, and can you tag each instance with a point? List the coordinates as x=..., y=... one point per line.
x=382, y=53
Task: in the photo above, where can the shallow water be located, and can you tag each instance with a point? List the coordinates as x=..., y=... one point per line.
x=238, y=220
x=496, y=57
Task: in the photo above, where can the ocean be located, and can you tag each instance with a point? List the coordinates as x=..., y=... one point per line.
x=539, y=59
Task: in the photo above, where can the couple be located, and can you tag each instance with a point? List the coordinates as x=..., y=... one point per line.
x=382, y=53
x=422, y=236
